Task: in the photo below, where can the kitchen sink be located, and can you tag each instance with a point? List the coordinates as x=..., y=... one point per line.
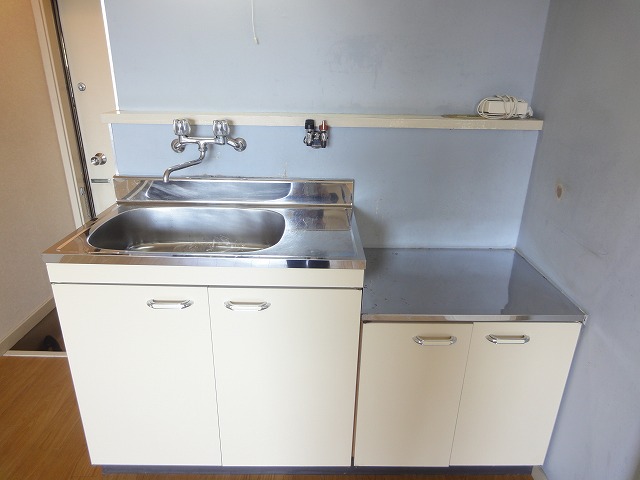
x=188, y=230
x=220, y=222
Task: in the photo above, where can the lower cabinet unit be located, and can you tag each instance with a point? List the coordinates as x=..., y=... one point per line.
x=513, y=386
x=489, y=398
x=285, y=365
x=203, y=369
x=410, y=382
x=142, y=368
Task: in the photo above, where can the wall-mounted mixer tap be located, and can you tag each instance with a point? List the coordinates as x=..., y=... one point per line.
x=316, y=138
x=221, y=131
x=182, y=128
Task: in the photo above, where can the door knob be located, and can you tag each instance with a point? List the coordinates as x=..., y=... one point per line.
x=99, y=159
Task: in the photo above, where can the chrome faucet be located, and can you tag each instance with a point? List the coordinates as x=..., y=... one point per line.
x=221, y=131
x=182, y=128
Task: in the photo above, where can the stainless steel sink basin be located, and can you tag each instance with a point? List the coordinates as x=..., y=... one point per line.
x=189, y=230
x=220, y=222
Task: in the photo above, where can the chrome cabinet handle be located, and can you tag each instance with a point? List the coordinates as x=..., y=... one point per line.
x=246, y=306
x=507, y=339
x=434, y=341
x=169, y=304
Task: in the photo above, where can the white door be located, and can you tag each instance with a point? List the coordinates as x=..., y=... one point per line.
x=512, y=391
x=285, y=363
x=142, y=372
x=90, y=69
x=410, y=383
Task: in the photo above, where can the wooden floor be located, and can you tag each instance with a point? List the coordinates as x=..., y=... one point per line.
x=41, y=436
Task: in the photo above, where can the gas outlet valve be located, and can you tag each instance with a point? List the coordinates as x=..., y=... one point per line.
x=316, y=138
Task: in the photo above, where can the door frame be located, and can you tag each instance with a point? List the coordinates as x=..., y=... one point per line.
x=62, y=112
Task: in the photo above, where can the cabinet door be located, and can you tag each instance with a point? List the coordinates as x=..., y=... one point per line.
x=408, y=394
x=143, y=376
x=512, y=392
x=285, y=362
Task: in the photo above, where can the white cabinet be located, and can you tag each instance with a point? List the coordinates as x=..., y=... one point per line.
x=410, y=382
x=143, y=376
x=512, y=392
x=266, y=376
x=285, y=364
x=491, y=398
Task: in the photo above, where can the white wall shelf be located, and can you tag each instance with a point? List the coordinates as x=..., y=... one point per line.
x=281, y=119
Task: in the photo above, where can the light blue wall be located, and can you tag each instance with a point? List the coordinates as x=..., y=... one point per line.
x=356, y=56
x=414, y=188
x=588, y=240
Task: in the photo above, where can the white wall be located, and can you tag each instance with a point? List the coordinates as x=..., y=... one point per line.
x=34, y=204
x=588, y=240
x=414, y=188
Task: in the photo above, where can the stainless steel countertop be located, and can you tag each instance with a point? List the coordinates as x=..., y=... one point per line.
x=459, y=285
x=320, y=228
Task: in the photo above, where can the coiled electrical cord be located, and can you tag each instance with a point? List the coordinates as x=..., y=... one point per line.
x=510, y=108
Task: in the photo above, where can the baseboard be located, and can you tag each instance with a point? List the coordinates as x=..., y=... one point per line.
x=329, y=471
x=38, y=354
x=538, y=474
x=31, y=321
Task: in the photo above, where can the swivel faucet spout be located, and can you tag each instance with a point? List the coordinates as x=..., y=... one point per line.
x=170, y=170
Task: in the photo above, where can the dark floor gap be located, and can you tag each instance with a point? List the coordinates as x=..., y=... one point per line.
x=46, y=336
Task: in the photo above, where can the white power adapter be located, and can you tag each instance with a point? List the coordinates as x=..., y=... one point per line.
x=504, y=107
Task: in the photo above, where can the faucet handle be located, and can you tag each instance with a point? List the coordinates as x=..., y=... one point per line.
x=221, y=128
x=181, y=126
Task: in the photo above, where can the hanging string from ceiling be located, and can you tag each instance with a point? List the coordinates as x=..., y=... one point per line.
x=253, y=23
